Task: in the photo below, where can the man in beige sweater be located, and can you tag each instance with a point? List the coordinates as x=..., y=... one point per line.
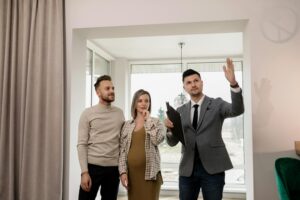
x=98, y=144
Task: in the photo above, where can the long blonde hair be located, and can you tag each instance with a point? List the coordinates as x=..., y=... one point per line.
x=135, y=98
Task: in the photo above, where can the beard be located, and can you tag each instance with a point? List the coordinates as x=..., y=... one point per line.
x=108, y=98
x=196, y=93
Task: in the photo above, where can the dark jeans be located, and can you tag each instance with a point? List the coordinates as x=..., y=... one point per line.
x=212, y=185
x=107, y=178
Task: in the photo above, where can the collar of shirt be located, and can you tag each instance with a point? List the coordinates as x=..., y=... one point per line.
x=103, y=106
x=199, y=102
x=192, y=108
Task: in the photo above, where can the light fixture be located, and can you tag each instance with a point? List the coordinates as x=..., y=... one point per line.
x=181, y=98
x=181, y=44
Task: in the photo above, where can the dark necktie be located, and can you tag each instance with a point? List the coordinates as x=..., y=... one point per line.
x=195, y=118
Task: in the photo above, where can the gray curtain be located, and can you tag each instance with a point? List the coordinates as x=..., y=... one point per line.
x=32, y=75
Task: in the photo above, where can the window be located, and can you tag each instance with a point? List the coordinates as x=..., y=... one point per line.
x=95, y=66
x=164, y=82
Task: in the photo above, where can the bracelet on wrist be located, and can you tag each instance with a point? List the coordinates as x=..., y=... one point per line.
x=235, y=85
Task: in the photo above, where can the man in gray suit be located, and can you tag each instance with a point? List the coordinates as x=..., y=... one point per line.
x=204, y=156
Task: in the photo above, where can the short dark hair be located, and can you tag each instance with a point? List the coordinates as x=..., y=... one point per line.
x=189, y=72
x=135, y=98
x=101, y=78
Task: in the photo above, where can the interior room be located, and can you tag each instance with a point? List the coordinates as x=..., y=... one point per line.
x=162, y=47
x=267, y=64
x=140, y=44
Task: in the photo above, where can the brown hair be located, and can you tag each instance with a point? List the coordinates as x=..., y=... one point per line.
x=101, y=78
x=189, y=72
x=135, y=98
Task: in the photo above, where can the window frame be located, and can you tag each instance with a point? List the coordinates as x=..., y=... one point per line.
x=94, y=54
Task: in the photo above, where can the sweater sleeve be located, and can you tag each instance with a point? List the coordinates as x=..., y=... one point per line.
x=82, y=145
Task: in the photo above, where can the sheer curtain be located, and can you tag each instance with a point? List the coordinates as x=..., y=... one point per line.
x=32, y=71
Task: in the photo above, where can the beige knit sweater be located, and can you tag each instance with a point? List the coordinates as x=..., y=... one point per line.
x=98, y=136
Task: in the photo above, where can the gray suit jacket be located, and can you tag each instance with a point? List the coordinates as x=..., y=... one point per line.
x=208, y=136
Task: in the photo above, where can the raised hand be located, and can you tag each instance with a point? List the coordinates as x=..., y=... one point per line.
x=229, y=72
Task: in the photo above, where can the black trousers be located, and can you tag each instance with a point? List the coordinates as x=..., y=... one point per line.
x=107, y=178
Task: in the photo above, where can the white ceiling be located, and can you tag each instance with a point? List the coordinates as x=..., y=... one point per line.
x=166, y=47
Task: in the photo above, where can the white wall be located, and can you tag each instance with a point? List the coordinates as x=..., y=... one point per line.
x=120, y=74
x=76, y=92
x=274, y=66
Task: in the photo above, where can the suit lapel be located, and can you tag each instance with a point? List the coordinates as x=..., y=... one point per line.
x=204, y=107
x=187, y=113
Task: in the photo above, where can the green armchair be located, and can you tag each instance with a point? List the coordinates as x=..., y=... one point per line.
x=287, y=174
